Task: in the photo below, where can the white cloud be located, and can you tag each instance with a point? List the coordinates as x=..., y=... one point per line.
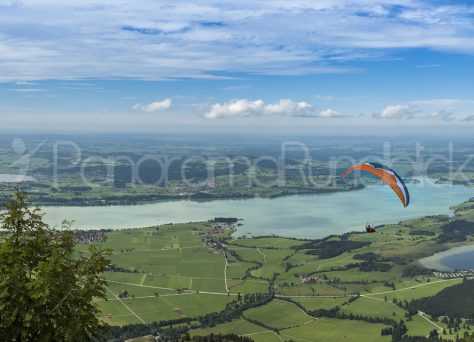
x=80, y=39
x=289, y=107
x=237, y=108
x=469, y=118
x=400, y=111
x=331, y=113
x=245, y=108
x=154, y=106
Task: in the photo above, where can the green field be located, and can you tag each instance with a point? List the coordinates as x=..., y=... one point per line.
x=326, y=329
x=164, y=307
x=417, y=291
x=371, y=307
x=278, y=314
x=236, y=326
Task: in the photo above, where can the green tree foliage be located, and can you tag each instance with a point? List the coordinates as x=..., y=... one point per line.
x=330, y=249
x=422, y=232
x=46, y=289
x=456, y=231
x=414, y=270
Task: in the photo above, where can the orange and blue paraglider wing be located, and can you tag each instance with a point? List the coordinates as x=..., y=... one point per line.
x=390, y=177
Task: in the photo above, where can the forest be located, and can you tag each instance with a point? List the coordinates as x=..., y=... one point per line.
x=454, y=301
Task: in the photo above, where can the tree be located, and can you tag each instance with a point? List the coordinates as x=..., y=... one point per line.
x=46, y=288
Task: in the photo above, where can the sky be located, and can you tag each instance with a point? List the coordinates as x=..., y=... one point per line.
x=369, y=66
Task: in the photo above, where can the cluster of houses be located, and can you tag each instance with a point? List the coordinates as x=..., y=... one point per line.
x=187, y=191
x=90, y=236
x=220, y=227
x=307, y=279
x=208, y=237
x=454, y=274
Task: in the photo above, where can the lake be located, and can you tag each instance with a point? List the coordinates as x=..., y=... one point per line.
x=452, y=259
x=303, y=216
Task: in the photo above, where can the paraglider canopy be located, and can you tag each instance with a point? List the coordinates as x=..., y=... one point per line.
x=390, y=177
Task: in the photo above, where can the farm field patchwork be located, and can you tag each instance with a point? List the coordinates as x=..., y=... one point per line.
x=286, y=288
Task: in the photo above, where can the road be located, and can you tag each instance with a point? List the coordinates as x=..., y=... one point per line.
x=125, y=305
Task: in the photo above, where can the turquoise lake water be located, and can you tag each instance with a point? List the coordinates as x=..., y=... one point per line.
x=305, y=216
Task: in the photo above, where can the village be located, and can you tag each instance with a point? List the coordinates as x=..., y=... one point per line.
x=454, y=274
x=90, y=236
x=219, y=226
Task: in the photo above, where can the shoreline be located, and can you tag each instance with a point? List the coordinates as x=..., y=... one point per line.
x=435, y=261
x=192, y=198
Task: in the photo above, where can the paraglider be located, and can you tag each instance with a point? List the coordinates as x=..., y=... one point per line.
x=390, y=177
x=369, y=229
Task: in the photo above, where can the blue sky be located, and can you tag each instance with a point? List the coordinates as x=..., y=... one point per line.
x=289, y=66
